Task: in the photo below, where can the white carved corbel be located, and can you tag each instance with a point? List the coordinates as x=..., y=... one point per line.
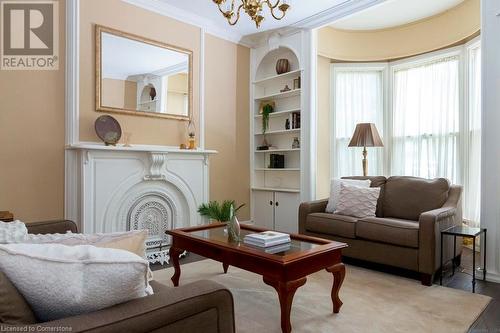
x=156, y=167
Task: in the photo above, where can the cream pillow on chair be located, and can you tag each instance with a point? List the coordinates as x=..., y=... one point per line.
x=335, y=191
x=133, y=241
x=59, y=281
x=357, y=201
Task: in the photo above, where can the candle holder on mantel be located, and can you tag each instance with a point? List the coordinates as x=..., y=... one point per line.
x=192, y=135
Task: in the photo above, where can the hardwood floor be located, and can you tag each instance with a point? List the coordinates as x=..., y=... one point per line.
x=489, y=321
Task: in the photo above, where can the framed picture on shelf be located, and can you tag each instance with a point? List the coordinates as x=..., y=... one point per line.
x=296, y=83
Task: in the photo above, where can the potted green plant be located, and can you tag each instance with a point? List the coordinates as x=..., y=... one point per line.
x=267, y=109
x=224, y=212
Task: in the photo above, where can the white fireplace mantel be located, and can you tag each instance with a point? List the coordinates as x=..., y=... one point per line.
x=118, y=188
x=139, y=148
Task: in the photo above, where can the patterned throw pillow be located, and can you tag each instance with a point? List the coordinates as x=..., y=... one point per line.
x=335, y=191
x=357, y=201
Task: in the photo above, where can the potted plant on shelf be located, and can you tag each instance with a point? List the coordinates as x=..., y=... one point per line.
x=224, y=212
x=267, y=109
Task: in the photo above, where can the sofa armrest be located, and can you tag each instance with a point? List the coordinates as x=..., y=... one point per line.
x=431, y=224
x=51, y=227
x=202, y=306
x=307, y=208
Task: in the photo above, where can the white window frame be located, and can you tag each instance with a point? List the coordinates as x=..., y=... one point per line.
x=364, y=66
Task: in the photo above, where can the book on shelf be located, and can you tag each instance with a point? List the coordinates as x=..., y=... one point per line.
x=267, y=239
x=295, y=120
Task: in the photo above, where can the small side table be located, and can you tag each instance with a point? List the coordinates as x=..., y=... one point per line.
x=466, y=232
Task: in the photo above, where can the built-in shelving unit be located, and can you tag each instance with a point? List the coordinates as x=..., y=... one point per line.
x=276, y=188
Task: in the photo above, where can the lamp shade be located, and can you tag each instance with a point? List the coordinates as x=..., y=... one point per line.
x=366, y=135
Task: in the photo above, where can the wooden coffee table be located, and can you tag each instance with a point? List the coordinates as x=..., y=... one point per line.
x=285, y=271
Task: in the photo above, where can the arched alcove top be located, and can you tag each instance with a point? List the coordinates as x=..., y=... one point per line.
x=267, y=66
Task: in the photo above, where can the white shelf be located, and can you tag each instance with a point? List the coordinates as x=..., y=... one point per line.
x=269, y=78
x=295, y=130
x=277, y=169
x=278, y=113
x=286, y=94
x=278, y=150
x=276, y=189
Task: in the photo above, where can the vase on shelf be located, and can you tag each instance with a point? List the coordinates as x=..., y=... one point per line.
x=282, y=66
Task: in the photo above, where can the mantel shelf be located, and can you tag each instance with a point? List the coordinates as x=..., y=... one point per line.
x=139, y=148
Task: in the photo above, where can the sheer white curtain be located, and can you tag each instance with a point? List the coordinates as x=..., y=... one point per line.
x=358, y=98
x=426, y=120
x=472, y=139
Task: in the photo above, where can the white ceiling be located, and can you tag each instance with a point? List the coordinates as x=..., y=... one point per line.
x=123, y=57
x=299, y=10
x=392, y=13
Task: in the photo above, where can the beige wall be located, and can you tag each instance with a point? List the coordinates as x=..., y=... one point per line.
x=145, y=130
x=32, y=113
x=32, y=140
x=119, y=93
x=323, y=147
x=227, y=120
x=423, y=36
x=431, y=34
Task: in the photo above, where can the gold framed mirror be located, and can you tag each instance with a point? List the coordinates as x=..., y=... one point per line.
x=139, y=76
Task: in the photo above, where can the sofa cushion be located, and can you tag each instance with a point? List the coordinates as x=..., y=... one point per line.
x=408, y=197
x=14, y=310
x=376, y=181
x=332, y=224
x=388, y=230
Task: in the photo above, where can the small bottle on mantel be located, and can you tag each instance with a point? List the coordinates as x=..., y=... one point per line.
x=287, y=124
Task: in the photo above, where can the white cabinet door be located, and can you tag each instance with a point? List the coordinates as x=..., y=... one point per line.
x=286, y=212
x=263, y=209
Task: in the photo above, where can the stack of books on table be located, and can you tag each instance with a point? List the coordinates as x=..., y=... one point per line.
x=271, y=241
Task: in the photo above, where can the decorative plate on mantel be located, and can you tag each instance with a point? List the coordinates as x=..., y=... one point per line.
x=108, y=130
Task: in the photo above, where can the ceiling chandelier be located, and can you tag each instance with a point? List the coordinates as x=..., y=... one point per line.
x=252, y=7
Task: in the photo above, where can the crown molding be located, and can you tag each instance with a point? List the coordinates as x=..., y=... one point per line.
x=188, y=17
x=316, y=21
x=337, y=12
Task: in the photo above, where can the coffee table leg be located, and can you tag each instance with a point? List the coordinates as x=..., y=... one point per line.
x=338, y=272
x=225, y=266
x=174, y=256
x=286, y=291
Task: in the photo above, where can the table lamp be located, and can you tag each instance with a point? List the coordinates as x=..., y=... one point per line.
x=365, y=135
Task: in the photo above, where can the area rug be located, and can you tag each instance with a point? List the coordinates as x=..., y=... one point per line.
x=373, y=302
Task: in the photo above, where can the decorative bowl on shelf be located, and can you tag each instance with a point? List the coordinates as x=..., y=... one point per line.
x=108, y=130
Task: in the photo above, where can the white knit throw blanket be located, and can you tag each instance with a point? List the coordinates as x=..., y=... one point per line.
x=12, y=232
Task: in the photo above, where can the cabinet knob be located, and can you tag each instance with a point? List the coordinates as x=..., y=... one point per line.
x=277, y=204
x=271, y=202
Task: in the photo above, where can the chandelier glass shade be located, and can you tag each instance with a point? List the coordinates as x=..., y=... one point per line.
x=231, y=9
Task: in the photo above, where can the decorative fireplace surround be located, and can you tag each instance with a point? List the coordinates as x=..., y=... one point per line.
x=143, y=187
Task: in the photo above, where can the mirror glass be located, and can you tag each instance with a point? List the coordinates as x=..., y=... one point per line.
x=143, y=77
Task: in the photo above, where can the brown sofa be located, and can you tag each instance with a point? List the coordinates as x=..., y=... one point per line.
x=203, y=306
x=405, y=233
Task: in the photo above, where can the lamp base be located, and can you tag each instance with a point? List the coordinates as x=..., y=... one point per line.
x=365, y=162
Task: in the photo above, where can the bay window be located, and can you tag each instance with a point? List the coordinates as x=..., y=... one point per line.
x=428, y=110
